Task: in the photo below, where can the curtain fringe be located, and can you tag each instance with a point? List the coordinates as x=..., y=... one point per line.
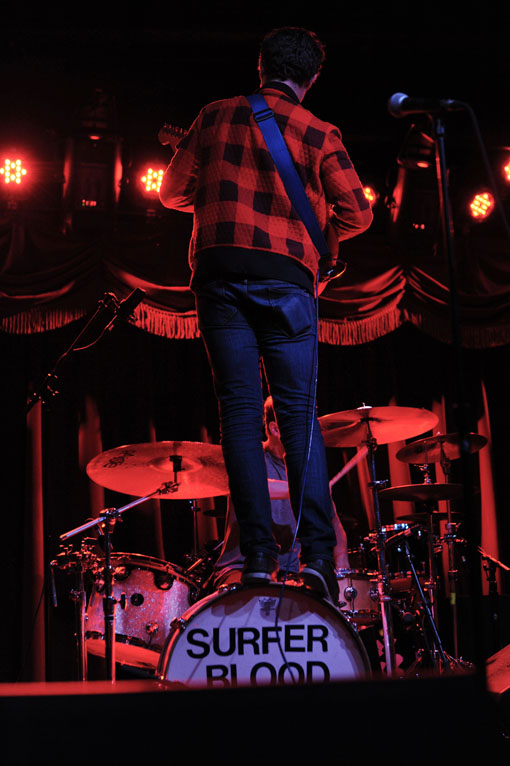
x=352, y=332
x=335, y=332
x=472, y=336
x=39, y=320
x=183, y=326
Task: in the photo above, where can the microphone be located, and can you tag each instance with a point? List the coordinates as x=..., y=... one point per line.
x=400, y=105
x=129, y=304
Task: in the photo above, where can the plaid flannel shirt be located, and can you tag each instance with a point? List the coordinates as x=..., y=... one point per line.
x=223, y=172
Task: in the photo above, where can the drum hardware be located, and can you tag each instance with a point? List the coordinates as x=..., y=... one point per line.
x=201, y=567
x=443, y=449
x=79, y=562
x=490, y=566
x=369, y=427
x=106, y=520
x=402, y=539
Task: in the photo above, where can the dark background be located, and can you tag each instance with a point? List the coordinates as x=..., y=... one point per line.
x=161, y=64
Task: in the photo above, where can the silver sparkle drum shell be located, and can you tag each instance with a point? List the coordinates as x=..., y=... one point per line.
x=154, y=592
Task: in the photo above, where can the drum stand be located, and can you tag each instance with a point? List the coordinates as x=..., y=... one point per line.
x=106, y=522
x=81, y=561
x=450, y=539
x=383, y=587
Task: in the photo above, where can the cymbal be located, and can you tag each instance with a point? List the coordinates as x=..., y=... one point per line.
x=439, y=447
x=387, y=424
x=423, y=492
x=173, y=470
x=421, y=516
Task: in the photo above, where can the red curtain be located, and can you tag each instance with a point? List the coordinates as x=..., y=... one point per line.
x=47, y=280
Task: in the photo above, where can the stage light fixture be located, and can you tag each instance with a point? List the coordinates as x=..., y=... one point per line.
x=12, y=171
x=151, y=180
x=371, y=194
x=481, y=206
x=506, y=170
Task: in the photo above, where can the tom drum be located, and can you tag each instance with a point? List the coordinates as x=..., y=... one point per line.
x=150, y=593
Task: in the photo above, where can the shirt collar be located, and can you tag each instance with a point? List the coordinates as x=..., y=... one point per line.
x=286, y=89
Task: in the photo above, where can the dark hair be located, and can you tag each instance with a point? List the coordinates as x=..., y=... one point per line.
x=291, y=53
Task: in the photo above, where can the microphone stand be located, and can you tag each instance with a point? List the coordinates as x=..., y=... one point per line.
x=462, y=419
x=108, y=305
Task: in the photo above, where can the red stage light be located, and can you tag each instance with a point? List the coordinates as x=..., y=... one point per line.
x=506, y=171
x=481, y=206
x=12, y=171
x=152, y=180
x=371, y=194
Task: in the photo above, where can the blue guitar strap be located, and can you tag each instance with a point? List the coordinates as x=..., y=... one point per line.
x=264, y=117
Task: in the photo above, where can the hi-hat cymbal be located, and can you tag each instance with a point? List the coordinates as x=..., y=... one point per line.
x=421, y=517
x=350, y=428
x=440, y=447
x=171, y=470
x=423, y=492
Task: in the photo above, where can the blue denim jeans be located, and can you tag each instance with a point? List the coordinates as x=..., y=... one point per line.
x=242, y=322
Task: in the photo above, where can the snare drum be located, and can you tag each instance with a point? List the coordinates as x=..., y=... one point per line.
x=153, y=592
x=231, y=638
x=358, y=596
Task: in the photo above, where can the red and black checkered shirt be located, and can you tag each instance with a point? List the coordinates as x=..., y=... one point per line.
x=223, y=172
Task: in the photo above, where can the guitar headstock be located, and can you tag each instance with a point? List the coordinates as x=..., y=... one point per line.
x=170, y=135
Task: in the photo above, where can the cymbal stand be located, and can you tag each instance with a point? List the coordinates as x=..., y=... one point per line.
x=106, y=521
x=432, y=584
x=490, y=565
x=425, y=602
x=383, y=587
x=450, y=539
x=80, y=561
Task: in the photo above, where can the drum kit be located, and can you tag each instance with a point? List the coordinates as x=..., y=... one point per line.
x=161, y=619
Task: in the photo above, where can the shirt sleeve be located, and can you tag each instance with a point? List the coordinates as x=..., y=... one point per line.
x=350, y=211
x=180, y=179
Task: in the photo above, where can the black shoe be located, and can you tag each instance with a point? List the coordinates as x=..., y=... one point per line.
x=320, y=576
x=259, y=568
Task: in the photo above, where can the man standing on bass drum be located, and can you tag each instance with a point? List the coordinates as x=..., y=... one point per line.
x=255, y=274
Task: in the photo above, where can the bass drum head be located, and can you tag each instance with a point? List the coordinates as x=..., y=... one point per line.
x=231, y=639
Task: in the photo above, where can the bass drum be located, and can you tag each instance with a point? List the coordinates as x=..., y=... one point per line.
x=150, y=593
x=233, y=638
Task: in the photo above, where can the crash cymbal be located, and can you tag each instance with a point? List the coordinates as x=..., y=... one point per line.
x=422, y=492
x=433, y=449
x=387, y=424
x=174, y=470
